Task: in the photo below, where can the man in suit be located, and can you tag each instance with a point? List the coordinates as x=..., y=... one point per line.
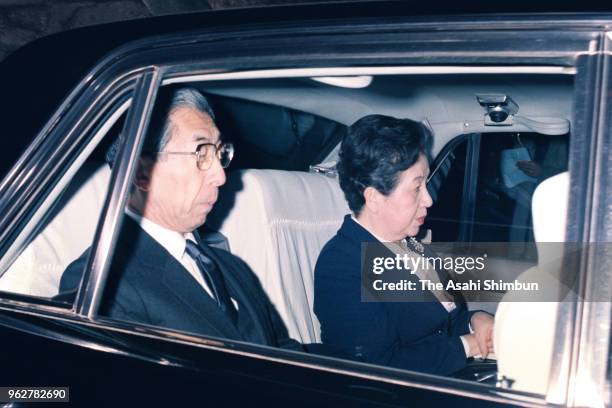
x=162, y=273
x=383, y=170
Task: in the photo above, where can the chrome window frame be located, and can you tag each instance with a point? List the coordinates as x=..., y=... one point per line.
x=61, y=148
x=92, y=285
x=589, y=370
x=28, y=233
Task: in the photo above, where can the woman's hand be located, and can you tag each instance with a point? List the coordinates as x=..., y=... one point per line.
x=472, y=344
x=482, y=325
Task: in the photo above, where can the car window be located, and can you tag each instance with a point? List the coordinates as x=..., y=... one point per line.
x=267, y=220
x=446, y=186
x=67, y=223
x=242, y=285
x=510, y=168
x=502, y=187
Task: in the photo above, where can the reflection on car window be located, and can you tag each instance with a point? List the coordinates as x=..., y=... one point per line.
x=67, y=229
x=511, y=166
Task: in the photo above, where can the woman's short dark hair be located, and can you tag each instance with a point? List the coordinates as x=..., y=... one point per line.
x=375, y=150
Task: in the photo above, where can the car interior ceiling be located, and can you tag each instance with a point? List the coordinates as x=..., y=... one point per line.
x=445, y=101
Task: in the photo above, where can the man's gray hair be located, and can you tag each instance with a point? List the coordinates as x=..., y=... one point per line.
x=161, y=128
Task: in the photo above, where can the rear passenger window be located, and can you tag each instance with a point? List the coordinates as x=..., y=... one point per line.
x=511, y=166
x=492, y=201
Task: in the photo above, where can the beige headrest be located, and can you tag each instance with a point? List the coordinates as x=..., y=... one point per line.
x=277, y=222
x=525, y=331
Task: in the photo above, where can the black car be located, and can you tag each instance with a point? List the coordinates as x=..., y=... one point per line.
x=285, y=83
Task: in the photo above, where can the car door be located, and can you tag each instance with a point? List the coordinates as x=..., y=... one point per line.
x=415, y=40
x=220, y=370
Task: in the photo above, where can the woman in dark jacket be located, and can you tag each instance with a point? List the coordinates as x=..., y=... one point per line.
x=383, y=169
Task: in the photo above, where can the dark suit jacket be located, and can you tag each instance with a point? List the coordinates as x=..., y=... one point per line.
x=147, y=285
x=417, y=335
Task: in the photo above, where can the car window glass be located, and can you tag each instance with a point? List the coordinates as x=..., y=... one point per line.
x=511, y=166
x=503, y=190
x=68, y=224
x=446, y=186
x=274, y=221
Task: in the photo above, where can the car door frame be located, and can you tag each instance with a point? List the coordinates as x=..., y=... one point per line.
x=174, y=71
x=588, y=374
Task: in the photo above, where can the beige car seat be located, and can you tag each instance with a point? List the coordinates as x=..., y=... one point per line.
x=38, y=269
x=525, y=330
x=277, y=222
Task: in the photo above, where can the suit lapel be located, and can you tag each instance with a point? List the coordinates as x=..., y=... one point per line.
x=356, y=233
x=180, y=283
x=183, y=286
x=250, y=323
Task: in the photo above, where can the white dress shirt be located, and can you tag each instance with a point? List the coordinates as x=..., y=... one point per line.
x=174, y=243
x=448, y=306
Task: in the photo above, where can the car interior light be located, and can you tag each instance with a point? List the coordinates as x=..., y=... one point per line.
x=361, y=81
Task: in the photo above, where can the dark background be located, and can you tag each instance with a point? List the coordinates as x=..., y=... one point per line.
x=22, y=21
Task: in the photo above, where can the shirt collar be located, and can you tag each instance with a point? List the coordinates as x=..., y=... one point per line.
x=373, y=234
x=172, y=241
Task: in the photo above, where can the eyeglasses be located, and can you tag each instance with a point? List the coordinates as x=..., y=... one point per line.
x=206, y=152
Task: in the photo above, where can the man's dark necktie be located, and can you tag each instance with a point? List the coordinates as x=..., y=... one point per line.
x=213, y=279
